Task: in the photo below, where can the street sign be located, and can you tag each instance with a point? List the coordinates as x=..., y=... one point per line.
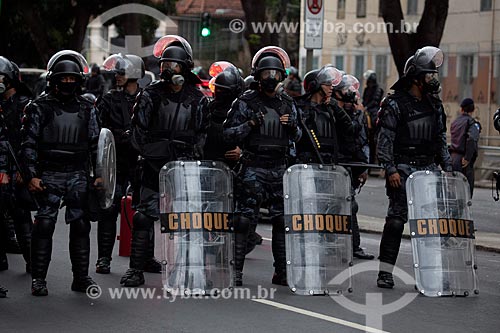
x=313, y=21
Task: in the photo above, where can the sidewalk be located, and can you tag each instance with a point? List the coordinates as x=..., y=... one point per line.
x=486, y=241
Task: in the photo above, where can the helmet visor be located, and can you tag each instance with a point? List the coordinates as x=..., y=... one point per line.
x=218, y=67
x=329, y=75
x=165, y=41
x=117, y=64
x=272, y=50
x=429, y=54
x=69, y=54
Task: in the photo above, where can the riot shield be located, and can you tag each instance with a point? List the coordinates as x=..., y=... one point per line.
x=106, y=168
x=442, y=233
x=318, y=228
x=195, y=210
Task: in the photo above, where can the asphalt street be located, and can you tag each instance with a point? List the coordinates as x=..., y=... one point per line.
x=64, y=310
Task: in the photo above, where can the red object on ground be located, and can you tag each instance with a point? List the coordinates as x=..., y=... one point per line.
x=126, y=223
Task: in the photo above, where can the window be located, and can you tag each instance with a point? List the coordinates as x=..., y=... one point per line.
x=466, y=75
x=361, y=9
x=381, y=69
x=412, y=7
x=486, y=5
x=359, y=66
x=339, y=62
x=341, y=10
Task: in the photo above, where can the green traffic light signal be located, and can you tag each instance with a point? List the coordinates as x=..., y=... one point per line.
x=205, y=24
x=205, y=32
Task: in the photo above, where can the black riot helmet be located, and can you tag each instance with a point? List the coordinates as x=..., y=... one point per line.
x=326, y=75
x=79, y=68
x=272, y=58
x=66, y=68
x=230, y=79
x=250, y=83
x=426, y=60
x=174, y=48
x=7, y=69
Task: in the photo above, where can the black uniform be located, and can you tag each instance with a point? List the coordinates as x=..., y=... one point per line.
x=57, y=139
x=354, y=147
x=266, y=149
x=19, y=203
x=372, y=96
x=464, y=144
x=412, y=136
x=115, y=113
x=166, y=127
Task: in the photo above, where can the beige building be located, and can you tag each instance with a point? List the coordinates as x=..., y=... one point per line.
x=471, y=44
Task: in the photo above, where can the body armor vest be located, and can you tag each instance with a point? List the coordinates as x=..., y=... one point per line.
x=173, y=121
x=65, y=135
x=271, y=138
x=417, y=134
x=215, y=145
x=13, y=113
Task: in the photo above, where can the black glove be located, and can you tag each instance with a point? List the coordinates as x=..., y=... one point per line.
x=257, y=119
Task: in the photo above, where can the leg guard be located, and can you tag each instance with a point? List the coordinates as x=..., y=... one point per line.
x=41, y=247
x=241, y=227
x=106, y=233
x=390, y=242
x=23, y=226
x=140, y=240
x=79, y=247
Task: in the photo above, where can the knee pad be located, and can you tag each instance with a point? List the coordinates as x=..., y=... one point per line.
x=79, y=228
x=395, y=225
x=43, y=228
x=278, y=224
x=142, y=222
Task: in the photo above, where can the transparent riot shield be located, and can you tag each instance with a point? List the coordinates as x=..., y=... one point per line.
x=318, y=228
x=442, y=233
x=106, y=167
x=195, y=211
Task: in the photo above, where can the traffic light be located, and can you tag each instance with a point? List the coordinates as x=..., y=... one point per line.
x=205, y=24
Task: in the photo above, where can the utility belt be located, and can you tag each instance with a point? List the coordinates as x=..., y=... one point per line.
x=267, y=163
x=62, y=167
x=414, y=160
x=65, y=161
x=310, y=157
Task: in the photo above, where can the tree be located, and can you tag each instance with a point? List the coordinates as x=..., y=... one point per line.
x=429, y=32
x=31, y=31
x=272, y=11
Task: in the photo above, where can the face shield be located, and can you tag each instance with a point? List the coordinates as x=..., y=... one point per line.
x=71, y=55
x=271, y=50
x=167, y=40
x=118, y=64
x=329, y=75
x=424, y=56
x=218, y=67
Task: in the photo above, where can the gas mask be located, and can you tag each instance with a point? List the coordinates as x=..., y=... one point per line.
x=170, y=73
x=431, y=84
x=67, y=88
x=269, y=80
x=3, y=87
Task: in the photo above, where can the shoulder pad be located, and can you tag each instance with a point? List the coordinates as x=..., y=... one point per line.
x=249, y=95
x=85, y=101
x=478, y=125
x=286, y=97
x=155, y=85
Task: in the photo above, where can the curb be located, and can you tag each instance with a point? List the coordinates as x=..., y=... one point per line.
x=485, y=241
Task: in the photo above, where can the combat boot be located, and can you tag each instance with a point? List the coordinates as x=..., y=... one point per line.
x=132, y=278
x=82, y=283
x=103, y=265
x=385, y=280
x=152, y=265
x=39, y=287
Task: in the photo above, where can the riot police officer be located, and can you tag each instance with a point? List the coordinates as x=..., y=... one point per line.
x=464, y=147
x=60, y=131
x=372, y=96
x=319, y=117
x=228, y=85
x=115, y=113
x=354, y=148
x=263, y=122
x=167, y=125
x=412, y=136
x=14, y=95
